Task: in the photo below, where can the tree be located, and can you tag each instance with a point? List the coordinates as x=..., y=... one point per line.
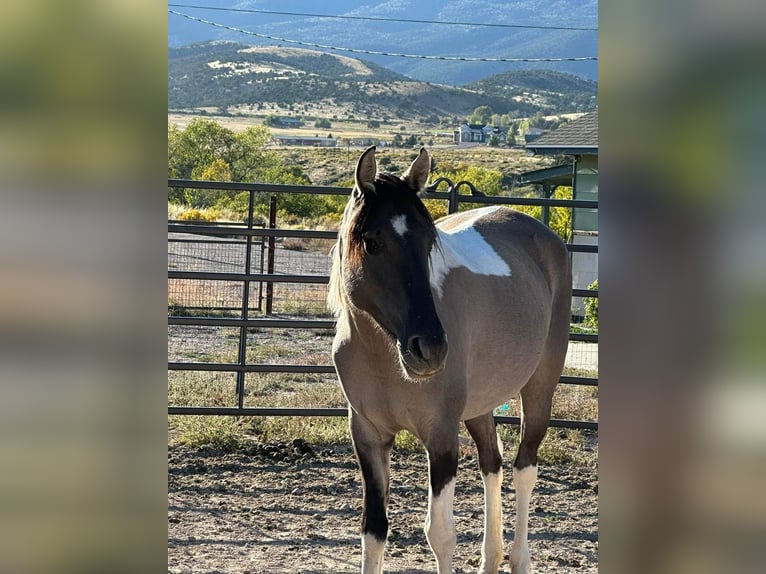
x=219, y=170
x=494, y=140
x=206, y=150
x=487, y=181
x=513, y=130
x=536, y=120
x=481, y=115
x=322, y=123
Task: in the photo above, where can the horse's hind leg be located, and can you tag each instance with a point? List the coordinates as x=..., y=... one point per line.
x=535, y=416
x=489, y=447
x=373, y=452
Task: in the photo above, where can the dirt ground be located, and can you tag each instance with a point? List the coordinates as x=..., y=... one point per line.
x=279, y=508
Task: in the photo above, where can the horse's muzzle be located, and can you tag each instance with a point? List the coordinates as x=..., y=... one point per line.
x=424, y=355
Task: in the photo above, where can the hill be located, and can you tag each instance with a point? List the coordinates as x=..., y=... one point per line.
x=546, y=88
x=388, y=35
x=270, y=79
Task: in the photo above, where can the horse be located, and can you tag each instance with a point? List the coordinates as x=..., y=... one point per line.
x=438, y=323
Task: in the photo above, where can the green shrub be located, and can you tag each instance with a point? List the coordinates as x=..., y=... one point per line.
x=591, y=308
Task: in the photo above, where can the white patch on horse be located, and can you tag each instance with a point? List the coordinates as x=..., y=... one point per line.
x=463, y=246
x=372, y=554
x=492, y=547
x=523, y=482
x=400, y=224
x=440, y=526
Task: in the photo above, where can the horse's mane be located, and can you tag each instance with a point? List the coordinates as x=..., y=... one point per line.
x=336, y=300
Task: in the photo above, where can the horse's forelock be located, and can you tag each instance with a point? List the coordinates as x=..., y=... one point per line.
x=394, y=184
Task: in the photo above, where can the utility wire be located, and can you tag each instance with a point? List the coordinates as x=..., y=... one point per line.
x=374, y=52
x=381, y=19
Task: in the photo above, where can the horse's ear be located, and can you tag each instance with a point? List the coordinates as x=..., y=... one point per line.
x=366, y=169
x=417, y=174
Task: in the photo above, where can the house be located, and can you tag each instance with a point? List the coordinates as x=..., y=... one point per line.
x=306, y=141
x=362, y=141
x=286, y=122
x=579, y=140
x=472, y=133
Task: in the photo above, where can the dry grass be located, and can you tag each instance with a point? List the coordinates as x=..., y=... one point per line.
x=561, y=446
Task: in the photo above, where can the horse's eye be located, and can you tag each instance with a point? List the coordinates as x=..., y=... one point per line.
x=371, y=245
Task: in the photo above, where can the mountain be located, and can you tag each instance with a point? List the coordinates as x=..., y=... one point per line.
x=271, y=79
x=383, y=35
x=566, y=92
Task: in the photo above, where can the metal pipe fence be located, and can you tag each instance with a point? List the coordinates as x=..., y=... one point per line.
x=240, y=259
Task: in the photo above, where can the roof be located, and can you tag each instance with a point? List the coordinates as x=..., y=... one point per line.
x=556, y=175
x=578, y=137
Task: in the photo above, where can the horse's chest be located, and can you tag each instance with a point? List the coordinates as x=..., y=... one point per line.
x=374, y=386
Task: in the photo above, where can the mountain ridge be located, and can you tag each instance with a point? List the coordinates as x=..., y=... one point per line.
x=434, y=39
x=228, y=74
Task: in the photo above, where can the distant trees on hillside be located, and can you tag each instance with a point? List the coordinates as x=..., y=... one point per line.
x=481, y=115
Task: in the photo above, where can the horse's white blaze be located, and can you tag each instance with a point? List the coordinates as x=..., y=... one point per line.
x=440, y=526
x=372, y=554
x=492, y=548
x=464, y=246
x=523, y=482
x=400, y=224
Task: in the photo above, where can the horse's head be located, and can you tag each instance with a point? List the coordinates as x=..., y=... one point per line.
x=383, y=252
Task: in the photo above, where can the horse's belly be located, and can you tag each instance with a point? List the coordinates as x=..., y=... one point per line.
x=490, y=386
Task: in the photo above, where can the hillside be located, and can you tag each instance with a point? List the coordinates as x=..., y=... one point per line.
x=389, y=35
x=270, y=79
x=557, y=90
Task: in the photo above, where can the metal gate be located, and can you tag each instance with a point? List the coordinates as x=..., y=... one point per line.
x=247, y=276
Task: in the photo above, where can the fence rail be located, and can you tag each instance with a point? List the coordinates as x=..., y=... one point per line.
x=251, y=235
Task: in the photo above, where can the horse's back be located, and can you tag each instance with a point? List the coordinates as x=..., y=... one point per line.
x=523, y=242
x=510, y=323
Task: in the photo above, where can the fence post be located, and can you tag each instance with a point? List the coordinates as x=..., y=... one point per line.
x=245, y=313
x=453, y=199
x=272, y=249
x=546, y=215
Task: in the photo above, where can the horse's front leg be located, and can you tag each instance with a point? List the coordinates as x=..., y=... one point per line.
x=440, y=522
x=373, y=453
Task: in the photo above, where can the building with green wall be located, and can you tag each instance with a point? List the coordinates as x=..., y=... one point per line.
x=577, y=139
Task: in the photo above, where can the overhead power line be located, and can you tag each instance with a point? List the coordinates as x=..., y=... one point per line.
x=375, y=52
x=382, y=19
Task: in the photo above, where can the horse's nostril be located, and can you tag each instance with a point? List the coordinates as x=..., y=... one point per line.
x=429, y=351
x=415, y=347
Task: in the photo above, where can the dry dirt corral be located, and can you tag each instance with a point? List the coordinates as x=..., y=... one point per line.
x=279, y=508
